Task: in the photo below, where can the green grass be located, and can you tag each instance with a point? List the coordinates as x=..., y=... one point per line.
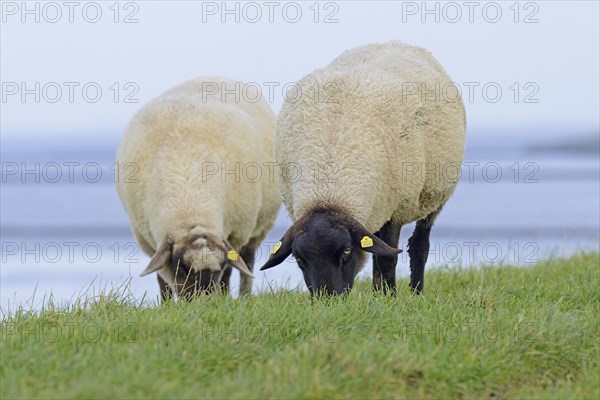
x=500, y=332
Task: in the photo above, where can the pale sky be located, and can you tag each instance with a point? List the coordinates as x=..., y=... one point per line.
x=549, y=55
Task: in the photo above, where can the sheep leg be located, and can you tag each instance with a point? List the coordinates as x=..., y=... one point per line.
x=165, y=291
x=225, y=280
x=248, y=253
x=384, y=268
x=418, y=250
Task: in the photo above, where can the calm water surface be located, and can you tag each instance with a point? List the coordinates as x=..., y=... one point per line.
x=519, y=201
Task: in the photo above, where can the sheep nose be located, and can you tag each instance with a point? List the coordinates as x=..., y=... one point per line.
x=325, y=291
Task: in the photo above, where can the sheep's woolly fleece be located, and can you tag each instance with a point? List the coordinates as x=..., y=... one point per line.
x=175, y=142
x=365, y=137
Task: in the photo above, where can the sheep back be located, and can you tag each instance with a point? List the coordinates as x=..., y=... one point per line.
x=359, y=139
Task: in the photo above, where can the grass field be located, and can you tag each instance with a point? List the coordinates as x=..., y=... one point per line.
x=491, y=333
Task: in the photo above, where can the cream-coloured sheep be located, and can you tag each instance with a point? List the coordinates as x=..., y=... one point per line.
x=378, y=137
x=200, y=200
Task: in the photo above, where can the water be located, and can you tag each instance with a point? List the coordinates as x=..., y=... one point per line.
x=520, y=200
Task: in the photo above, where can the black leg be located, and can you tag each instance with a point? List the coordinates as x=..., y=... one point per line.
x=248, y=253
x=384, y=268
x=165, y=290
x=418, y=250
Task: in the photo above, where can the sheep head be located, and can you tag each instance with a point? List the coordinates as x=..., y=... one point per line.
x=195, y=264
x=329, y=248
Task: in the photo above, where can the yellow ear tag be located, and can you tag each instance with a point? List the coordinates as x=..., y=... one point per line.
x=366, y=242
x=232, y=255
x=276, y=247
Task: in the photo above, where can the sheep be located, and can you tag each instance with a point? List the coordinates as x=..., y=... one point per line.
x=189, y=205
x=375, y=150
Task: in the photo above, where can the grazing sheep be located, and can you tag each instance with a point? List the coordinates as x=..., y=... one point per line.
x=377, y=148
x=191, y=206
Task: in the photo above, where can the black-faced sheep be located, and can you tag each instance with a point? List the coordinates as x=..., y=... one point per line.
x=387, y=137
x=197, y=222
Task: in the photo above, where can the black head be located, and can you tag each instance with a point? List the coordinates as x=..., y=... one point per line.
x=328, y=246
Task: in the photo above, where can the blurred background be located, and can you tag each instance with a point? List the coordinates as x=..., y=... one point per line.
x=74, y=73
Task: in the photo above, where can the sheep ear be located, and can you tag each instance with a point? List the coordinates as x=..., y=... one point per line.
x=281, y=250
x=369, y=242
x=235, y=260
x=160, y=259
